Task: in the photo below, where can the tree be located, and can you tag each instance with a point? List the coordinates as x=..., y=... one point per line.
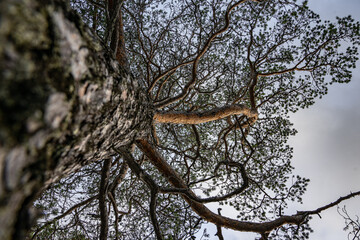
x=194, y=103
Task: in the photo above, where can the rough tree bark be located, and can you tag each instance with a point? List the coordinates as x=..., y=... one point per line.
x=64, y=102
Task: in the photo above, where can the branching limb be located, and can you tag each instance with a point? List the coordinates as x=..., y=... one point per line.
x=113, y=202
x=262, y=228
x=352, y=225
x=70, y=210
x=167, y=72
x=118, y=179
x=111, y=194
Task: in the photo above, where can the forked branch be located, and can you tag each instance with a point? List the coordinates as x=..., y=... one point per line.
x=201, y=53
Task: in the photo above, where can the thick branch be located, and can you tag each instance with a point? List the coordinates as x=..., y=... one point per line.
x=104, y=227
x=204, y=116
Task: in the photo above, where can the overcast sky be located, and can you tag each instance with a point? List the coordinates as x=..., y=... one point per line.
x=327, y=147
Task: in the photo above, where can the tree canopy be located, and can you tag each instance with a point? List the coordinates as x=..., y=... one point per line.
x=220, y=79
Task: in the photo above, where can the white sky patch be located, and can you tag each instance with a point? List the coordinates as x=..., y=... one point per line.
x=327, y=150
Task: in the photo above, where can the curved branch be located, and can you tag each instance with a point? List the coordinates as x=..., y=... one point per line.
x=173, y=178
x=153, y=215
x=113, y=202
x=204, y=116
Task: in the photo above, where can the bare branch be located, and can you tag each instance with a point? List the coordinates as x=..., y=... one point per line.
x=330, y=205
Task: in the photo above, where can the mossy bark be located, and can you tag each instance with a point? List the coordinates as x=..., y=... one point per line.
x=64, y=102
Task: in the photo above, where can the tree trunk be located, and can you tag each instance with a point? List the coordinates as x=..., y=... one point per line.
x=64, y=103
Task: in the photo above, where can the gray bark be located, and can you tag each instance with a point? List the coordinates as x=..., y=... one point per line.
x=64, y=103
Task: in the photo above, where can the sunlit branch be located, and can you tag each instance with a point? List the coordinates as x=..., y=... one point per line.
x=204, y=116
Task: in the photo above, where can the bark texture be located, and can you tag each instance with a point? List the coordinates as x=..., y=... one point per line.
x=64, y=102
